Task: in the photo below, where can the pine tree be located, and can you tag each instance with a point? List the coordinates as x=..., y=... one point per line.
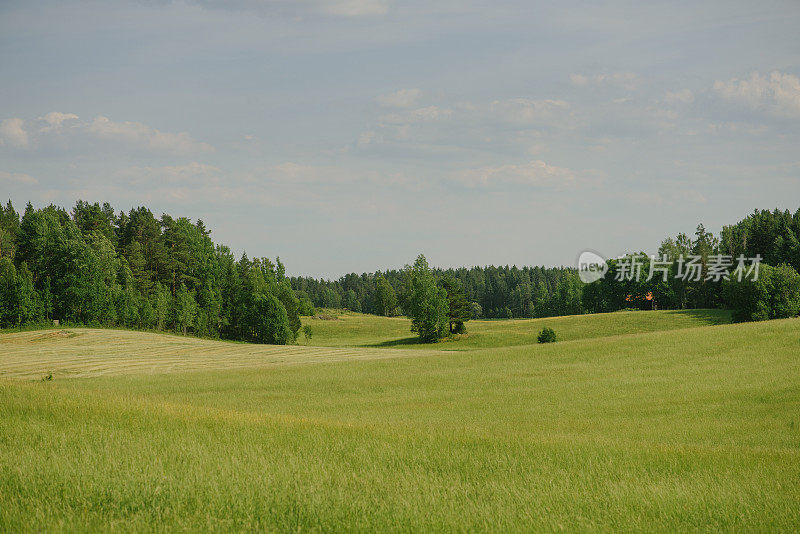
x=460, y=309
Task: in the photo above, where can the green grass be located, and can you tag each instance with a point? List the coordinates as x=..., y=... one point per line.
x=348, y=329
x=695, y=429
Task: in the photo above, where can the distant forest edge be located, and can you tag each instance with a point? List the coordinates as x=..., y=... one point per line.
x=95, y=266
x=528, y=292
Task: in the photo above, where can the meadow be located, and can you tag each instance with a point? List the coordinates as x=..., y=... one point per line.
x=635, y=421
x=332, y=328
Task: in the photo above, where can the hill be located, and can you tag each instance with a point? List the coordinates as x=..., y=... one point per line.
x=333, y=328
x=691, y=429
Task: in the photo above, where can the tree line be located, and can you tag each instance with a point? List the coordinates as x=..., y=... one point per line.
x=500, y=292
x=95, y=266
x=526, y=292
x=769, y=292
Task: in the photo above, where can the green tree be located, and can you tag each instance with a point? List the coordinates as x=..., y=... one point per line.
x=351, y=301
x=29, y=305
x=385, y=297
x=460, y=309
x=547, y=335
x=268, y=321
x=306, y=306
x=8, y=293
x=427, y=303
x=774, y=295
x=291, y=305
x=184, y=309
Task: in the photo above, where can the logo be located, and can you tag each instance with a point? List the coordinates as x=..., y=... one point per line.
x=591, y=266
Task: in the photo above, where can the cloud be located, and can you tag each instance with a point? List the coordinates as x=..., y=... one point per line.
x=55, y=119
x=343, y=8
x=629, y=81
x=683, y=96
x=138, y=134
x=733, y=128
x=367, y=138
x=192, y=173
x=404, y=98
x=12, y=132
x=456, y=127
x=777, y=94
x=578, y=79
x=523, y=110
x=533, y=173
x=18, y=178
x=128, y=134
x=293, y=170
x=426, y=114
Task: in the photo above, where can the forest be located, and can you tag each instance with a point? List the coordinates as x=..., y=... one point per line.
x=523, y=292
x=96, y=266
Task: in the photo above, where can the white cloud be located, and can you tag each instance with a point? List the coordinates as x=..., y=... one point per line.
x=629, y=81
x=290, y=169
x=777, y=94
x=404, y=98
x=141, y=135
x=344, y=8
x=190, y=173
x=12, y=131
x=525, y=110
x=733, y=128
x=578, y=79
x=131, y=134
x=683, y=96
x=426, y=114
x=17, y=178
x=55, y=119
x=535, y=173
x=367, y=138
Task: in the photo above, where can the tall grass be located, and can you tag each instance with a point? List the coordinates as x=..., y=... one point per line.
x=694, y=429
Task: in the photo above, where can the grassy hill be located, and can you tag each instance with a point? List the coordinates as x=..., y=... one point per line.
x=84, y=352
x=689, y=429
x=348, y=329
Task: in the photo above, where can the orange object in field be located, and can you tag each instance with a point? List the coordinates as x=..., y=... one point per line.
x=630, y=298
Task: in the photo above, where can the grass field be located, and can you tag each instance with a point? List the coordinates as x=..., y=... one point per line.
x=348, y=329
x=666, y=425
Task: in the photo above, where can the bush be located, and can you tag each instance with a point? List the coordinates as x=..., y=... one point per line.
x=775, y=295
x=547, y=335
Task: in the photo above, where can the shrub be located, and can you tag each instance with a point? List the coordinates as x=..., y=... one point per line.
x=547, y=335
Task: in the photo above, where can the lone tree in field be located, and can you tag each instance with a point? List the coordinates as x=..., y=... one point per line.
x=385, y=298
x=427, y=303
x=460, y=308
x=547, y=335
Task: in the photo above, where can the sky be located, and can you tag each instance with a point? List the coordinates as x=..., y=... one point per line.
x=352, y=135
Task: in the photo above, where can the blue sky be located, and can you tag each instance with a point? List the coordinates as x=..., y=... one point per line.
x=351, y=135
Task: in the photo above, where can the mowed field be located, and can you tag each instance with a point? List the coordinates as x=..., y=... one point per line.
x=671, y=423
